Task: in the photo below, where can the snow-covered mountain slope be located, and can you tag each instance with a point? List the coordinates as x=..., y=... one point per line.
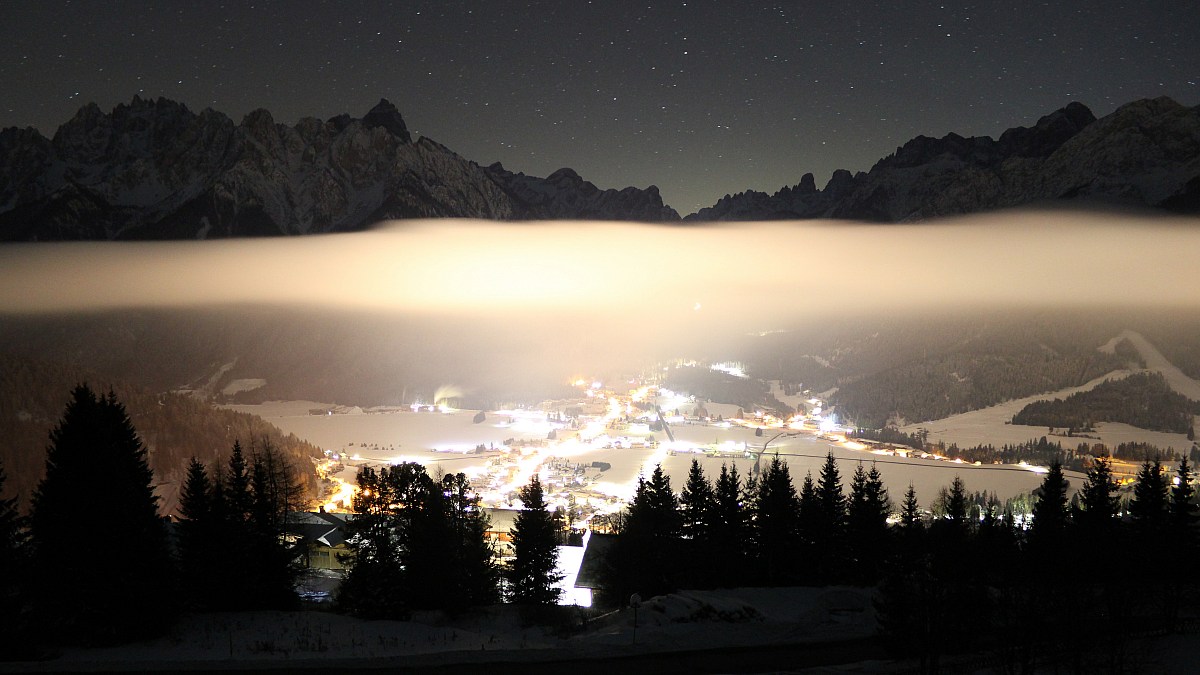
x=1157, y=363
x=992, y=424
x=1146, y=153
x=156, y=170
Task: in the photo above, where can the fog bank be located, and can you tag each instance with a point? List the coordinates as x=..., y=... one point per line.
x=745, y=270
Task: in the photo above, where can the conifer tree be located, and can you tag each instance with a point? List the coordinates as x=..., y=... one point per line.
x=956, y=501
x=195, y=498
x=910, y=512
x=200, y=544
x=276, y=491
x=237, y=486
x=1098, y=500
x=532, y=575
x=831, y=500
x=664, y=503
x=867, y=512
x=1181, y=527
x=829, y=538
x=373, y=587
x=810, y=510
x=275, y=494
x=878, y=504
x=1148, y=507
x=729, y=510
x=777, y=525
x=418, y=544
x=470, y=575
x=1182, y=504
x=953, y=508
x=12, y=570
x=102, y=568
x=856, y=503
x=647, y=550
x=696, y=502
x=1050, y=509
x=730, y=526
x=12, y=539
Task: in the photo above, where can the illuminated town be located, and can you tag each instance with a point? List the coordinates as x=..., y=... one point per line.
x=589, y=450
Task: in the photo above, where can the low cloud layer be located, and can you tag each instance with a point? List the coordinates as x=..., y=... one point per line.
x=748, y=272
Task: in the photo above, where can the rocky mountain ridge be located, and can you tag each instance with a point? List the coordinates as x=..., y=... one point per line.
x=156, y=170
x=1144, y=154
x=153, y=169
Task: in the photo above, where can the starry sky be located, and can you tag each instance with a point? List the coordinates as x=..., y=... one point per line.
x=699, y=97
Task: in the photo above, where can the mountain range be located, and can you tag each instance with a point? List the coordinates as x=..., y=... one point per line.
x=153, y=169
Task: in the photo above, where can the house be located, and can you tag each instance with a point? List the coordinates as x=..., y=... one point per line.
x=595, y=561
x=502, y=521
x=322, y=537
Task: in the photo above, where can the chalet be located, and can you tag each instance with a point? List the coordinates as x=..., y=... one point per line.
x=322, y=538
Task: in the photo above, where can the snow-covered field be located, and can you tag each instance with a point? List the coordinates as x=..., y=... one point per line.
x=991, y=425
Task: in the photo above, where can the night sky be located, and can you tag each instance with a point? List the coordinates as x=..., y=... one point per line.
x=701, y=98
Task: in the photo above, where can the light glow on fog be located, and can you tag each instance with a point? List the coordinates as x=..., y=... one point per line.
x=1013, y=258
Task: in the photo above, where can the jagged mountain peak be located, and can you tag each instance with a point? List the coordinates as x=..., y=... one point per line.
x=385, y=115
x=807, y=184
x=153, y=169
x=1158, y=105
x=564, y=194
x=1048, y=134
x=259, y=119
x=564, y=173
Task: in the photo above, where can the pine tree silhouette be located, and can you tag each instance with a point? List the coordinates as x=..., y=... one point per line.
x=532, y=575
x=103, y=571
x=199, y=539
x=13, y=552
x=418, y=544
x=777, y=525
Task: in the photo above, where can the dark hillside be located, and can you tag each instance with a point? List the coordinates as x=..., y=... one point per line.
x=174, y=427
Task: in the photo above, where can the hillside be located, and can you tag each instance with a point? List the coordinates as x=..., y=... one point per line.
x=913, y=369
x=1143, y=400
x=251, y=355
x=174, y=427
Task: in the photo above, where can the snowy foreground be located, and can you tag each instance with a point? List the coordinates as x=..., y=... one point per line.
x=811, y=630
x=681, y=622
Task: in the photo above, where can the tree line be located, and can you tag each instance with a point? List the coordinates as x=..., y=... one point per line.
x=969, y=377
x=95, y=563
x=1143, y=400
x=418, y=543
x=173, y=427
x=1040, y=451
x=755, y=532
x=959, y=576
